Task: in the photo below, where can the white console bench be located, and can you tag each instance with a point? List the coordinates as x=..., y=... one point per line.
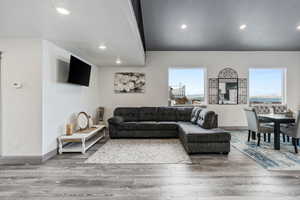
x=82, y=140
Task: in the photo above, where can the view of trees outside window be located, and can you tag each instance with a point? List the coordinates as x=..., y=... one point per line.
x=266, y=86
x=186, y=86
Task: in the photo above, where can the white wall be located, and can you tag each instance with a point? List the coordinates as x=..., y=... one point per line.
x=62, y=101
x=0, y=110
x=158, y=63
x=34, y=115
x=21, y=108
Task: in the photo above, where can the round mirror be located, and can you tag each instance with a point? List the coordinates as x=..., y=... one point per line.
x=83, y=120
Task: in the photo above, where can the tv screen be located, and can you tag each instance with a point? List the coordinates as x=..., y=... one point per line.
x=79, y=72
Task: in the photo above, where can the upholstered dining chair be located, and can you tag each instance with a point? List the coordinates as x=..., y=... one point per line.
x=282, y=109
x=255, y=126
x=263, y=109
x=293, y=132
x=279, y=109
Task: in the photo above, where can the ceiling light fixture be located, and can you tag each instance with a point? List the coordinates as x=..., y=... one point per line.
x=243, y=27
x=62, y=11
x=118, y=61
x=183, y=26
x=298, y=27
x=102, y=47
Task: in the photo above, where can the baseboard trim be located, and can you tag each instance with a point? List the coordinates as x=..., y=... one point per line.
x=17, y=160
x=33, y=160
x=49, y=155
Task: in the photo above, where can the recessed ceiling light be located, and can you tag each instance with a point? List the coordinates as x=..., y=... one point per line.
x=183, y=26
x=243, y=27
x=62, y=11
x=118, y=61
x=102, y=47
x=298, y=27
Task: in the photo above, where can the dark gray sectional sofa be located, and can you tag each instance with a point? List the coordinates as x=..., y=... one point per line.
x=196, y=127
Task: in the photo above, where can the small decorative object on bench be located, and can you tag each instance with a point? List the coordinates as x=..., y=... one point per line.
x=83, y=120
x=91, y=123
x=100, y=116
x=69, y=129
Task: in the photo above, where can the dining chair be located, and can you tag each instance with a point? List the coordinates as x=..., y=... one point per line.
x=255, y=126
x=279, y=109
x=264, y=109
x=293, y=132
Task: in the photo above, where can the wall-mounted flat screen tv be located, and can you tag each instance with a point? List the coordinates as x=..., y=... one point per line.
x=79, y=72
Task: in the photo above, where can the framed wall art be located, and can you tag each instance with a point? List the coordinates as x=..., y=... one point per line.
x=129, y=82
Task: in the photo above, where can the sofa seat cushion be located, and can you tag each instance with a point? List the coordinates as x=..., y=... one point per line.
x=128, y=114
x=184, y=113
x=148, y=114
x=167, y=125
x=147, y=125
x=166, y=114
x=143, y=125
x=127, y=126
x=193, y=133
x=206, y=119
x=145, y=134
x=195, y=114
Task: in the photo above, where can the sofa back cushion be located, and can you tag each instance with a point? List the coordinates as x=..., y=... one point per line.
x=206, y=119
x=166, y=114
x=184, y=113
x=194, y=114
x=129, y=114
x=148, y=114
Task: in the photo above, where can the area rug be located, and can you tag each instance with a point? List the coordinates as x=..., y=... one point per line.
x=265, y=155
x=141, y=151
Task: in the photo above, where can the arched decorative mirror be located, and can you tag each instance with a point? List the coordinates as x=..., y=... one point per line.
x=228, y=86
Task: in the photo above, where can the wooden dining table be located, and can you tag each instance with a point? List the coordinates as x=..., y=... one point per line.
x=277, y=119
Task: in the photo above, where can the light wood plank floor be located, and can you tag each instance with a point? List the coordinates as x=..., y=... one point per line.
x=216, y=177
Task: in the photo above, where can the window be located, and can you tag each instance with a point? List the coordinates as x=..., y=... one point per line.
x=266, y=86
x=186, y=86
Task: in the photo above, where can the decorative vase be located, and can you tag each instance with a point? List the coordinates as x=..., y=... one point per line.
x=69, y=129
x=91, y=123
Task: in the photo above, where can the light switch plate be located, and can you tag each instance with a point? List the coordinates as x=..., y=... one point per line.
x=17, y=85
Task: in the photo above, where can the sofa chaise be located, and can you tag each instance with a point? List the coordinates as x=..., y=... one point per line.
x=196, y=127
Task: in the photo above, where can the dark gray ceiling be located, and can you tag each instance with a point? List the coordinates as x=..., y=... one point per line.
x=213, y=25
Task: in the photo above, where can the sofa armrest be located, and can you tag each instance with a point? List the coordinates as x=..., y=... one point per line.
x=115, y=120
x=215, y=122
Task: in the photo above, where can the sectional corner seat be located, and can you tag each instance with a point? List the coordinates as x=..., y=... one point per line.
x=196, y=127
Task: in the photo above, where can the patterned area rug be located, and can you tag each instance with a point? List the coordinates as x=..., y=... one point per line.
x=265, y=155
x=139, y=151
